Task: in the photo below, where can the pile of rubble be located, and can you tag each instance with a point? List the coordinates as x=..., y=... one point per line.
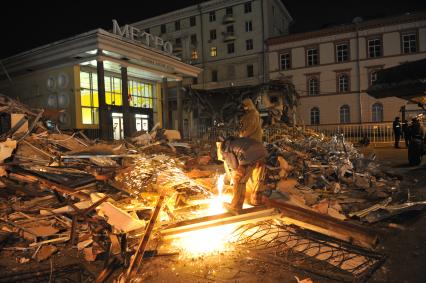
x=332, y=177
x=64, y=193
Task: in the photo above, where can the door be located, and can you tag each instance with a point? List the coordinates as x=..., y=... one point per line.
x=141, y=122
x=117, y=125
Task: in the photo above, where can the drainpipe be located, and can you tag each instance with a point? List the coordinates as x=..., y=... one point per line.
x=358, y=68
x=203, y=63
x=263, y=43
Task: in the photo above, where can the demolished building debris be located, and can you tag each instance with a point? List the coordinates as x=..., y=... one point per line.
x=63, y=193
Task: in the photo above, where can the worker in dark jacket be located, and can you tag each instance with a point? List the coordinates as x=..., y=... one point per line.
x=397, y=131
x=244, y=156
x=417, y=130
x=406, y=132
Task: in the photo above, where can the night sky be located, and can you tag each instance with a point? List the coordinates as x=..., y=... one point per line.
x=29, y=24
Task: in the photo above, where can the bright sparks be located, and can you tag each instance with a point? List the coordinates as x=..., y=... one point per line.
x=210, y=240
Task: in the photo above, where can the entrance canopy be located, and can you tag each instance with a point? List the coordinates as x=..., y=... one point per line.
x=116, y=51
x=406, y=81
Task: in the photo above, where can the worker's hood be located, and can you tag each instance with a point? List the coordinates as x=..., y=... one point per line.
x=248, y=103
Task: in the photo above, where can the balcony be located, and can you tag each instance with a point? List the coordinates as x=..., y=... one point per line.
x=228, y=19
x=229, y=36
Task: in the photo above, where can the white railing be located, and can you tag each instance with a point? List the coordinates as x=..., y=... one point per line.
x=375, y=132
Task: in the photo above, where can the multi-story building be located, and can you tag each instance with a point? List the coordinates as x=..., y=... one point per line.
x=333, y=67
x=224, y=38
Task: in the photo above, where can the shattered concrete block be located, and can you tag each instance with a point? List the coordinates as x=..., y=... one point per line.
x=45, y=252
x=362, y=182
x=287, y=186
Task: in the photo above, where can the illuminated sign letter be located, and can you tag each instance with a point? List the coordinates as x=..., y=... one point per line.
x=116, y=29
x=168, y=47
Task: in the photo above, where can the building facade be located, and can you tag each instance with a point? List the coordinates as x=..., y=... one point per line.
x=107, y=84
x=224, y=38
x=333, y=67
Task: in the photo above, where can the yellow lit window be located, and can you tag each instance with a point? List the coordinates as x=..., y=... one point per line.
x=213, y=51
x=113, y=94
x=141, y=94
x=194, y=55
x=89, y=98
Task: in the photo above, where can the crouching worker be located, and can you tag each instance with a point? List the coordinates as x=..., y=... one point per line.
x=245, y=157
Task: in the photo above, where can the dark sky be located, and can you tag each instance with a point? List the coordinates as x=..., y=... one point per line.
x=28, y=24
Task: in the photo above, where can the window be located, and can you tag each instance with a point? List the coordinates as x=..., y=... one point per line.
x=249, y=44
x=147, y=30
x=273, y=10
x=213, y=34
x=374, y=48
x=345, y=114
x=193, y=39
x=194, y=55
x=313, y=86
x=163, y=28
x=89, y=98
x=178, y=41
x=230, y=29
x=192, y=21
x=212, y=16
x=312, y=56
x=343, y=83
x=315, y=116
x=285, y=62
x=231, y=48
x=229, y=11
x=214, y=76
x=213, y=51
x=113, y=91
x=247, y=7
x=372, y=76
x=342, y=52
x=409, y=43
x=377, y=112
x=249, y=26
x=177, y=25
x=250, y=71
x=141, y=94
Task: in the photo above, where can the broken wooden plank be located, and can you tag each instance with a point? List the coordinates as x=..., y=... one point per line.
x=325, y=224
x=136, y=261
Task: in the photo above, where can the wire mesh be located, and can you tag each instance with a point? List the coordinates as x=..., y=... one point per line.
x=309, y=251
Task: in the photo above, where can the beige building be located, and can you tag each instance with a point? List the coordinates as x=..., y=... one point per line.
x=224, y=38
x=331, y=68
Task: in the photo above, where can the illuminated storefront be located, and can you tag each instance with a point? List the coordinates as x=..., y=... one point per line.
x=107, y=84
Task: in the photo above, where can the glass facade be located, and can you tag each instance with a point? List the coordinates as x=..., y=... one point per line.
x=89, y=98
x=113, y=91
x=141, y=94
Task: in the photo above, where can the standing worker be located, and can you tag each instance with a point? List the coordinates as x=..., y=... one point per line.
x=250, y=122
x=406, y=132
x=397, y=131
x=243, y=156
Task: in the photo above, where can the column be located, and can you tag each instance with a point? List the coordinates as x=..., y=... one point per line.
x=179, y=107
x=165, y=104
x=127, y=119
x=105, y=126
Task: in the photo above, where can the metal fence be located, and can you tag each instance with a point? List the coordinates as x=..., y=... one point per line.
x=376, y=133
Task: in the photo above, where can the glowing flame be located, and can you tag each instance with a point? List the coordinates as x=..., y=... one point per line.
x=216, y=203
x=215, y=239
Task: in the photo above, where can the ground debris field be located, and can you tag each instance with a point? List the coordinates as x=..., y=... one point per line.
x=150, y=209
